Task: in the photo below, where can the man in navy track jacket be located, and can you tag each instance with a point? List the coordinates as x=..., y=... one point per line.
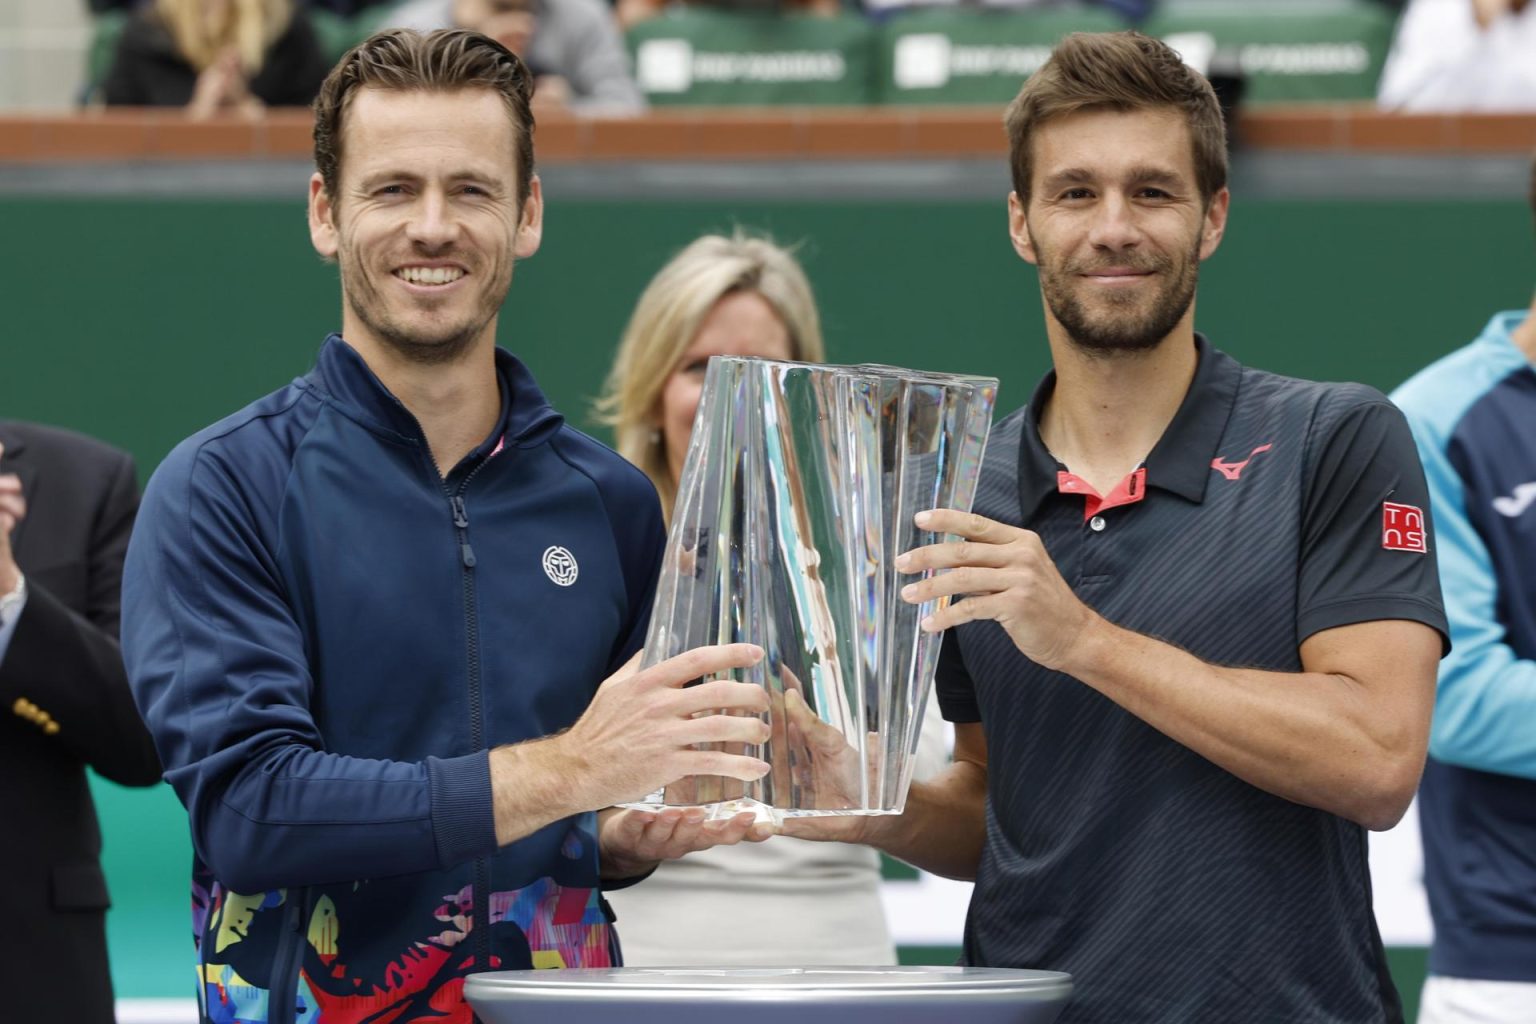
x=369, y=617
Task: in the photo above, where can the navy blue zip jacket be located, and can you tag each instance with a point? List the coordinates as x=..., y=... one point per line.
x=326, y=637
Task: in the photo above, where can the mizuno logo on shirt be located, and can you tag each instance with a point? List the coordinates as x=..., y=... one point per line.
x=1523, y=498
x=1234, y=470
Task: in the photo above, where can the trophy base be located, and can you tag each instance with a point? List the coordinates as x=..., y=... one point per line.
x=762, y=812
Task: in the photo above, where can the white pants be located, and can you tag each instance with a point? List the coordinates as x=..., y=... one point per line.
x=1473, y=1001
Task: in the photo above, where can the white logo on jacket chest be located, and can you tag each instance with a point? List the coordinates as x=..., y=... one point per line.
x=559, y=565
x=1518, y=502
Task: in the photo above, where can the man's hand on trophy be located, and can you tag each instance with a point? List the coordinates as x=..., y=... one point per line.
x=824, y=769
x=826, y=775
x=1005, y=575
x=631, y=842
x=645, y=729
x=642, y=731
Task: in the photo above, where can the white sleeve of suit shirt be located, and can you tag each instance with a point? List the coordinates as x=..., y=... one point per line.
x=8, y=625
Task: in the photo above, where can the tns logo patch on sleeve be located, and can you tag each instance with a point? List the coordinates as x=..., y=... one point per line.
x=1402, y=528
x=559, y=565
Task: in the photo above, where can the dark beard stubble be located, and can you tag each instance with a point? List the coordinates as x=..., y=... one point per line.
x=368, y=306
x=1117, y=330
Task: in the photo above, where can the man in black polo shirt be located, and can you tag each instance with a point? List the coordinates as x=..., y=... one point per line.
x=1195, y=646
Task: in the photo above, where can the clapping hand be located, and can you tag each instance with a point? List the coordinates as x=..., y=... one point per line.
x=13, y=509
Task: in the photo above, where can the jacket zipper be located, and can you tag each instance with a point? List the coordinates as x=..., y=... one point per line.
x=480, y=922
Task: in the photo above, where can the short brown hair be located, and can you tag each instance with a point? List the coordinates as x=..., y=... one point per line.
x=443, y=61
x=1121, y=71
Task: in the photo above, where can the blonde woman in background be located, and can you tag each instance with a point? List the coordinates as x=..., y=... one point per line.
x=217, y=57
x=786, y=901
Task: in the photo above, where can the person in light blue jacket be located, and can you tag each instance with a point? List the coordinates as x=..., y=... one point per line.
x=1473, y=414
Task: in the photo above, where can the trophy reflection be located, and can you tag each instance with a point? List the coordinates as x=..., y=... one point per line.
x=797, y=493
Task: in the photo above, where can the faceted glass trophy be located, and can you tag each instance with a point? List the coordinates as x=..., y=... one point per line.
x=797, y=494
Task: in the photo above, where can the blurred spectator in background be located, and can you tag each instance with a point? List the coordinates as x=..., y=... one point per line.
x=1458, y=55
x=788, y=901
x=573, y=47
x=216, y=56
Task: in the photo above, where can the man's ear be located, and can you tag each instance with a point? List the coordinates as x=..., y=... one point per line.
x=1018, y=230
x=322, y=219
x=530, y=225
x=1215, y=226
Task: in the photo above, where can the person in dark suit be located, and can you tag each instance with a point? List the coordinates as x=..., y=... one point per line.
x=67, y=504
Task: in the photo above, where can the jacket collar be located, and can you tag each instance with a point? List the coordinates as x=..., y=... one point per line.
x=1180, y=462
x=1498, y=341
x=341, y=374
x=12, y=441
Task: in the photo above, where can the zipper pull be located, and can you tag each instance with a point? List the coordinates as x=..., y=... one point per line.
x=461, y=521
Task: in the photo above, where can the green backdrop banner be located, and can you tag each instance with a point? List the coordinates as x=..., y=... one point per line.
x=940, y=56
x=142, y=321
x=723, y=58
x=1300, y=51
x=1289, y=52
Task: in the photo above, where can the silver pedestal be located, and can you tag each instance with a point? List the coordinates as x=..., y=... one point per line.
x=820, y=995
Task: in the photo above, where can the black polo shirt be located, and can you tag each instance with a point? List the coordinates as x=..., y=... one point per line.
x=1170, y=889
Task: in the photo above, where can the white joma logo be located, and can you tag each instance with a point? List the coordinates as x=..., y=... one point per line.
x=1522, y=499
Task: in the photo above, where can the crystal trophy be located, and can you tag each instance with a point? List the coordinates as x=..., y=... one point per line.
x=797, y=493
